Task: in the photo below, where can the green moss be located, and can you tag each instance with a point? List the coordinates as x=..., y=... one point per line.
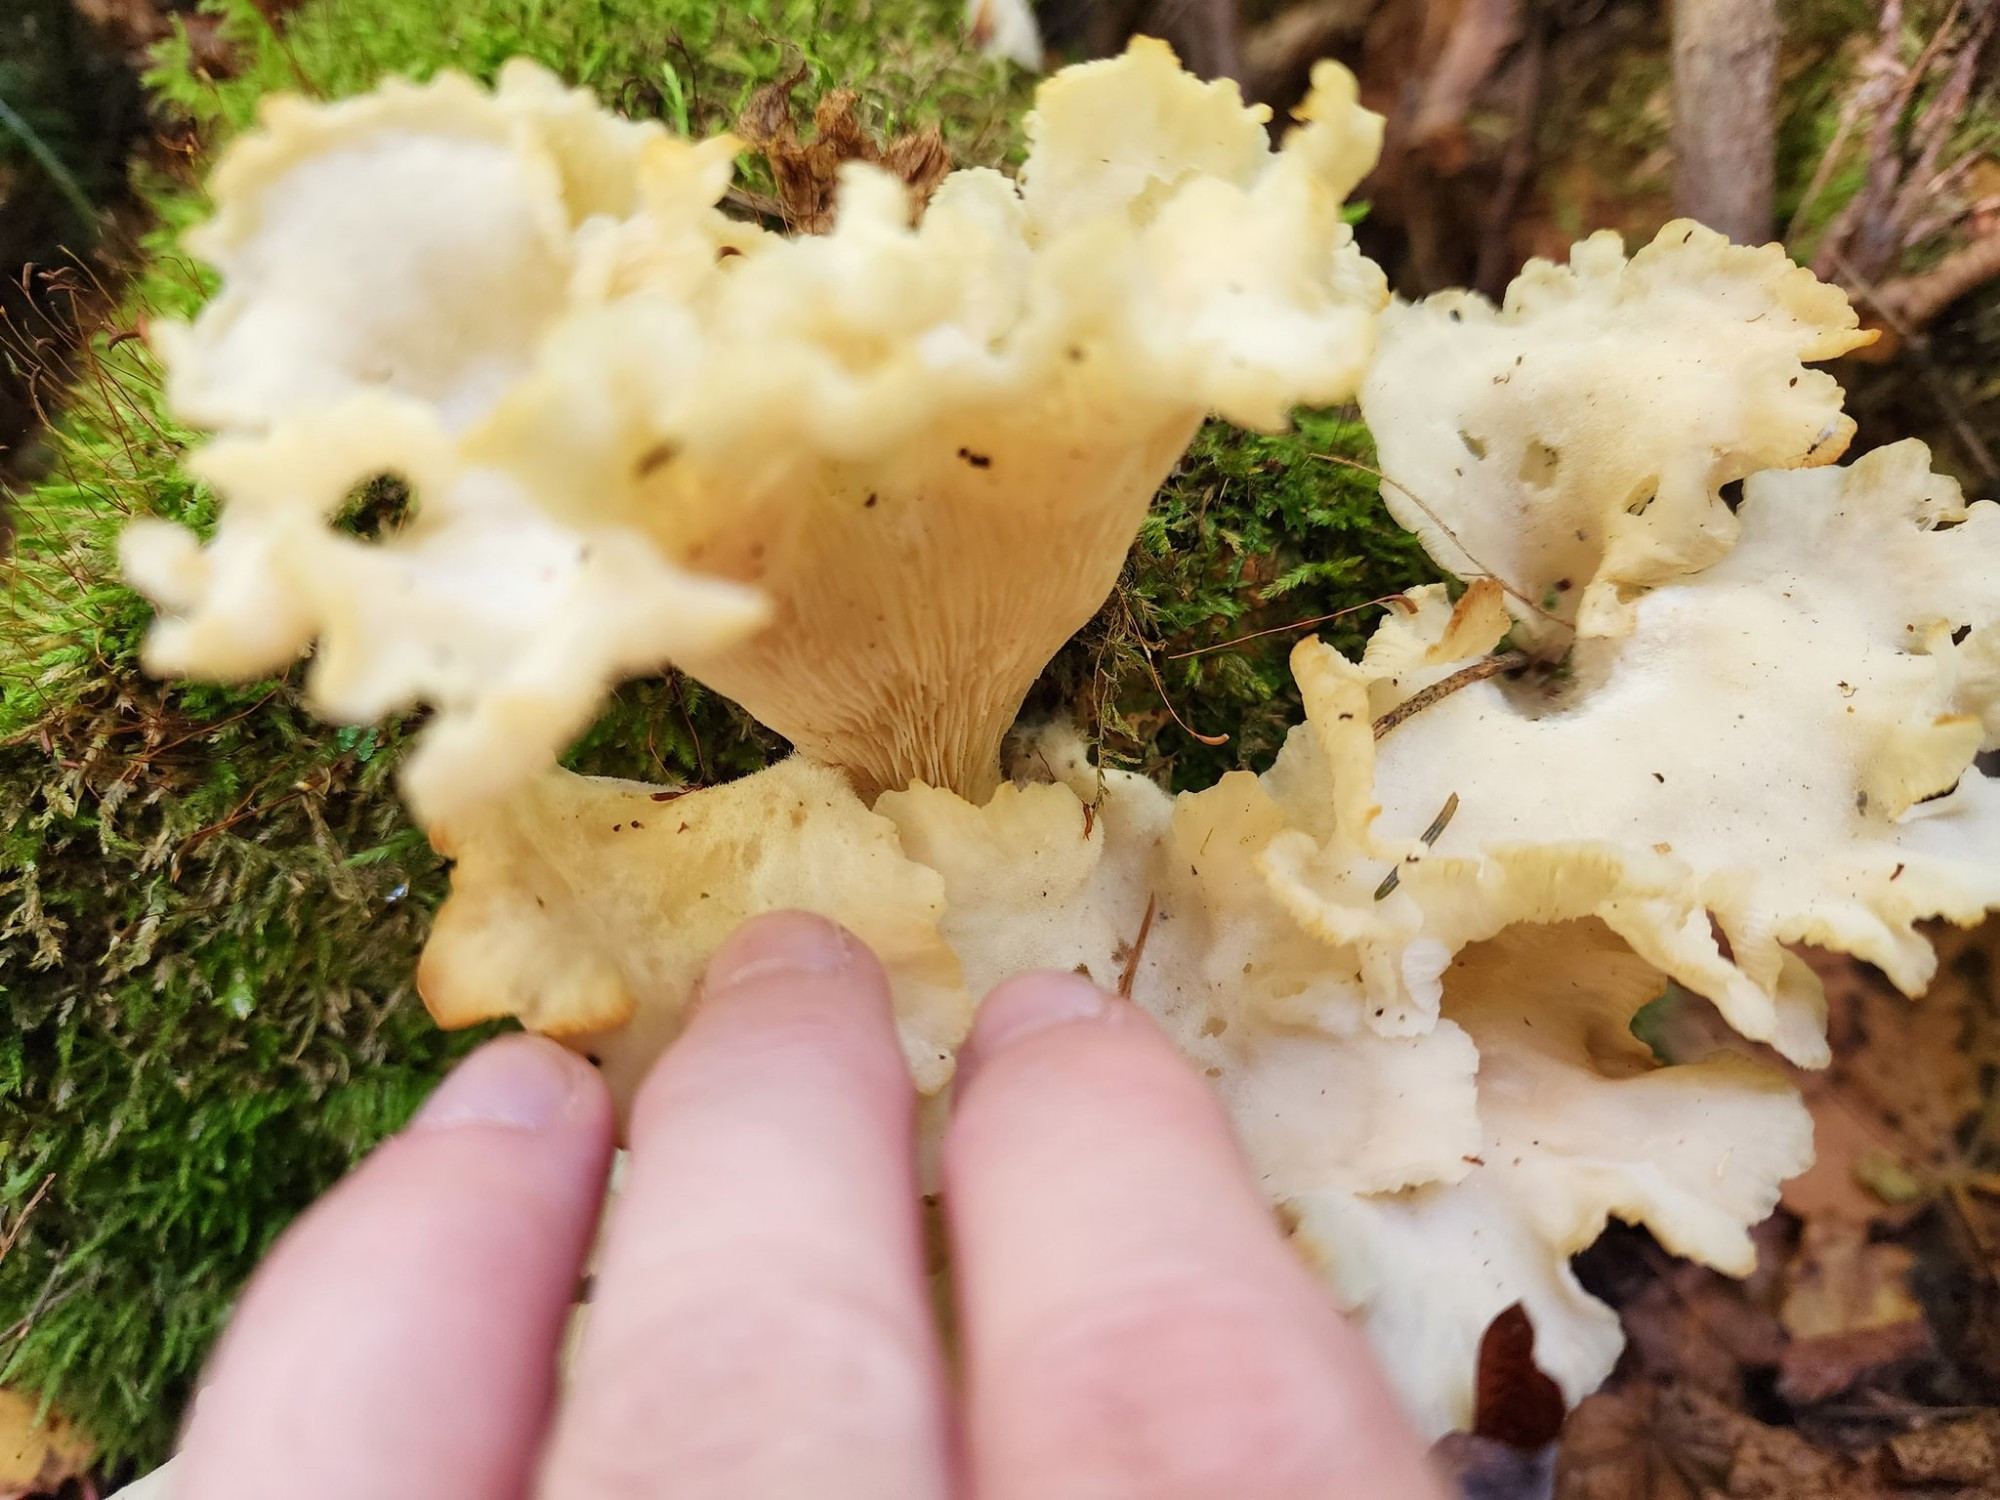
x=1254, y=535
x=211, y=903
x=692, y=63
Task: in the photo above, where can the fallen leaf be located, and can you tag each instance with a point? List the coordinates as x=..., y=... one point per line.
x=1960, y=1453
x=807, y=173
x=1816, y=1369
x=1849, y=1310
x=1611, y=1450
x=1688, y=1325
x=1665, y=1441
x=37, y=1454
x=1841, y=1282
x=1775, y=1463
x=1888, y=1113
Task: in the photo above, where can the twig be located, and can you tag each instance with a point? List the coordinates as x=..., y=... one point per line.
x=1934, y=126
x=1444, y=687
x=1131, y=969
x=1281, y=629
x=21, y=1218
x=1146, y=656
x=1914, y=342
x=1917, y=300
x=1880, y=177
x=1278, y=54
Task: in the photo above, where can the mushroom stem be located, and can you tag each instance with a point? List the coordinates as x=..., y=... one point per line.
x=920, y=600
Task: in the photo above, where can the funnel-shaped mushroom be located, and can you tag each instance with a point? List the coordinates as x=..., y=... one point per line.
x=866, y=483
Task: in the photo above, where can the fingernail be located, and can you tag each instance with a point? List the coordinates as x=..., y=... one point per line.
x=781, y=944
x=1023, y=1007
x=521, y=1082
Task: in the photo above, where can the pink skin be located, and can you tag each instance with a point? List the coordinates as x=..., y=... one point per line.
x=1131, y=1324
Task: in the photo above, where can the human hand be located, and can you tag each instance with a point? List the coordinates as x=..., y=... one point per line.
x=1130, y=1322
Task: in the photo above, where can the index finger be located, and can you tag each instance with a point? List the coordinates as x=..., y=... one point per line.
x=1134, y=1324
x=761, y=1326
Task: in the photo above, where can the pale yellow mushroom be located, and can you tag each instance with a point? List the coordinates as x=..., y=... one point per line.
x=866, y=483
x=1574, y=441
x=1435, y=1178
x=1779, y=751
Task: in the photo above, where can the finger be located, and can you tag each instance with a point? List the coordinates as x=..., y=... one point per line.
x=760, y=1327
x=1134, y=1324
x=401, y=1339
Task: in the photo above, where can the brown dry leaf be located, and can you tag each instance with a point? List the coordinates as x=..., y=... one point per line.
x=1849, y=1310
x=1775, y=1463
x=1841, y=1283
x=1673, y=1442
x=1814, y=1370
x=1887, y=1114
x=37, y=1457
x=808, y=173
x=1903, y=1080
x=1611, y=1450
x=1691, y=1326
x=1961, y=1453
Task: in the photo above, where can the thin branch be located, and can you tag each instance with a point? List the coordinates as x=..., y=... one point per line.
x=1913, y=341
x=51, y=164
x=1146, y=655
x=1917, y=300
x=21, y=1218
x=1131, y=970
x=1281, y=629
x=1444, y=687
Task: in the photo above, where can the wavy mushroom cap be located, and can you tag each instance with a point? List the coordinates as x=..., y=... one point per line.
x=866, y=482
x=1780, y=751
x=1573, y=442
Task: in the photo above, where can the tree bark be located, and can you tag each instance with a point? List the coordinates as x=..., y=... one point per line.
x=1915, y=301
x=1724, y=139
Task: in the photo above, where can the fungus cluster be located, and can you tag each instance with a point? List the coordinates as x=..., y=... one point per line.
x=867, y=482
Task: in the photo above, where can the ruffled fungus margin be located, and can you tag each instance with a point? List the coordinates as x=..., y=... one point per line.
x=866, y=482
